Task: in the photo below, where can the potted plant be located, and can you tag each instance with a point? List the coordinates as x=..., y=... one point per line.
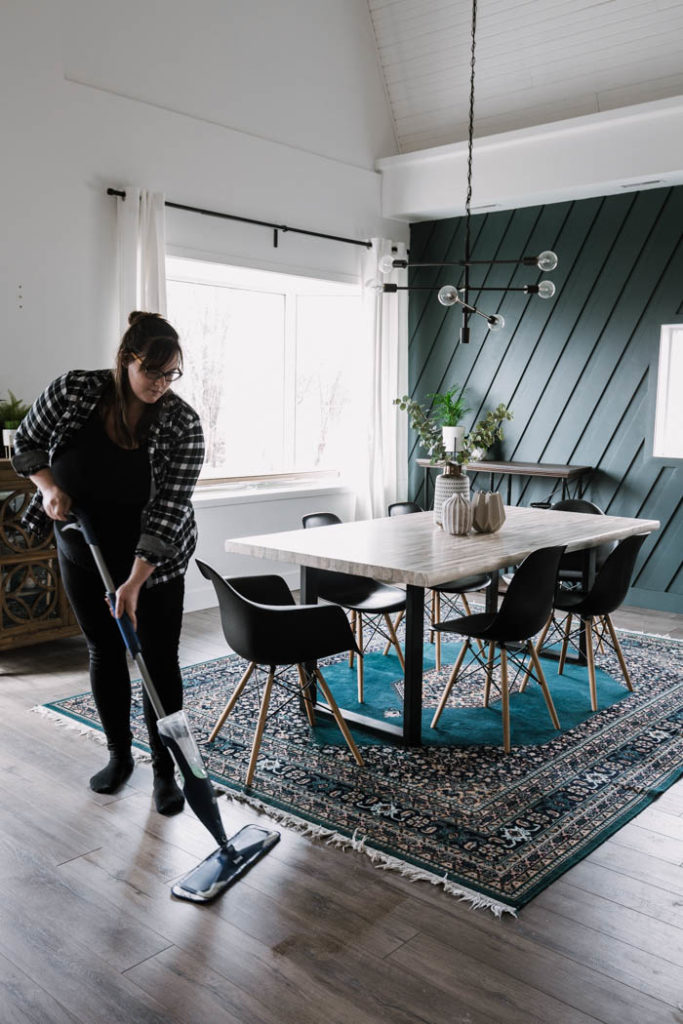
x=449, y=409
x=453, y=480
x=12, y=413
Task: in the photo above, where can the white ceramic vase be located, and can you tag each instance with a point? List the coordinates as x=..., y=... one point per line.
x=456, y=515
x=452, y=438
x=446, y=485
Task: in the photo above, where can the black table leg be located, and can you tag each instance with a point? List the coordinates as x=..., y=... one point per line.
x=492, y=594
x=412, y=691
x=308, y=594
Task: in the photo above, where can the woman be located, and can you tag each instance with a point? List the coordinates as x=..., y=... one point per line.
x=125, y=448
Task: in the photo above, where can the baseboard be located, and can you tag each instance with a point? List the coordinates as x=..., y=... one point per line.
x=658, y=601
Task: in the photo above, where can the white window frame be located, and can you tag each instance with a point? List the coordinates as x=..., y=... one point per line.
x=668, y=395
x=179, y=267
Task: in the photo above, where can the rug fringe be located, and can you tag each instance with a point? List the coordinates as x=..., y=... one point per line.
x=66, y=722
x=380, y=860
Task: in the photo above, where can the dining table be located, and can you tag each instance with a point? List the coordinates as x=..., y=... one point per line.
x=412, y=552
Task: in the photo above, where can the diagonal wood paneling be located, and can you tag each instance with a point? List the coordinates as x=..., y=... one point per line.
x=575, y=370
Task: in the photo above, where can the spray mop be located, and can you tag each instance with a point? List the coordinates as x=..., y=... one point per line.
x=233, y=856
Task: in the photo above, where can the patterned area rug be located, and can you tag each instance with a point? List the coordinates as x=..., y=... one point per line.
x=493, y=828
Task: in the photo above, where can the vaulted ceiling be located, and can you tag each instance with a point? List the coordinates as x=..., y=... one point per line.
x=537, y=61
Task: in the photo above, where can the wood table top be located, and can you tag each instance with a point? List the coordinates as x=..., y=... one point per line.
x=411, y=549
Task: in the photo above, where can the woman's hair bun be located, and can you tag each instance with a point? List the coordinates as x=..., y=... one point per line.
x=136, y=315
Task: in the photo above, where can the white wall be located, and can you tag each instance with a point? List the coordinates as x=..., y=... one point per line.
x=259, y=108
x=302, y=154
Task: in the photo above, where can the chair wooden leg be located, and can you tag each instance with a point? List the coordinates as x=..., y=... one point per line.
x=339, y=718
x=449, y=685
x=620, y=653
x=539, y=647
x=233, y=700
x=588, y=627
x=468, y=610
x=394, y=640
x=308, y=707
x=353, y=630
x=435, y=634
x=505, y=699
x=399, y=620
x=544, y=633
x=565, y=643
x=361, y=677
x=260, y=726
x=544, y=686
x=489, y=673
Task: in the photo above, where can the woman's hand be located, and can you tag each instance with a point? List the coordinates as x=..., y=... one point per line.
x=128, y=593
x=127, y=601
x=56, y=502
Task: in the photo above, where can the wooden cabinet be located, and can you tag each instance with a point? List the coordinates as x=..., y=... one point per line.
x=33, y=605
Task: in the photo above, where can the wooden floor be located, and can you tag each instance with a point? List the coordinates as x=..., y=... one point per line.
x=89, y=933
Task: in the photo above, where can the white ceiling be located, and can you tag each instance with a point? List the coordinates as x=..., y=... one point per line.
x=537, y=61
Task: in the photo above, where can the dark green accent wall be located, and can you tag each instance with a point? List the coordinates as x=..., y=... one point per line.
x=579, y=370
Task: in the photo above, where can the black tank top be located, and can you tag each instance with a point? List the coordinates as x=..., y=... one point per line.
x=112, y=484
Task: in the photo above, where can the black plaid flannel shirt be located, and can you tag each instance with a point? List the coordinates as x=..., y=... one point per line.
x=175, y=446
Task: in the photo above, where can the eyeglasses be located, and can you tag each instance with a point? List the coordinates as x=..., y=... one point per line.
x=156, y=375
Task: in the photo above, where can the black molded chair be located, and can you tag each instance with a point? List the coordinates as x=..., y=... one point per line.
x=453, y=592
x=571, y=572
x=523, y=612
x=262, y=623
x=595, y=607
x=365, y=598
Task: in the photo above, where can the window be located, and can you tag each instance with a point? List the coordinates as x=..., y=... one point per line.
x=272, y=365
x=668, y=433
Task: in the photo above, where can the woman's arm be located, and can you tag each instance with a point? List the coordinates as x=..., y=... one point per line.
x=35, y=432
x=166, y=517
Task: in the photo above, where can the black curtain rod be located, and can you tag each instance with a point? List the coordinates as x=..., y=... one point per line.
x=248, y=220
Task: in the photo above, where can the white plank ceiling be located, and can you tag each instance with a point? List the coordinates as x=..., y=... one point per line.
x=537, y=61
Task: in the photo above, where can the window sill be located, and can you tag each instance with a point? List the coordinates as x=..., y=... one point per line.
x=221, y=495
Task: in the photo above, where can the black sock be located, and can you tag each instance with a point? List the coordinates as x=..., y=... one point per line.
x=114, y=775
x=168, y=797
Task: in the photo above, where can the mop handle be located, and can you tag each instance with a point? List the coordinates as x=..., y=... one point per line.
x=130, y=637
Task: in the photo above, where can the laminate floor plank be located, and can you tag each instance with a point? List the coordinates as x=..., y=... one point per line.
x=491, y=990
x=655, y=901
x=654, y=936
x=642, y=971
x=23, y=1001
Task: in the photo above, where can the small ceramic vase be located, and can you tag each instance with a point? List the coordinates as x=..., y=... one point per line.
x=488, y=513
x=451, y=481
x=457, y=515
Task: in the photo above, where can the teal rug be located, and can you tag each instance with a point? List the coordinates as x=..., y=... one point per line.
x=494, y=829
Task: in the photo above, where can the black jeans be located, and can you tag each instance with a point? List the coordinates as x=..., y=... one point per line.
x=159, y=616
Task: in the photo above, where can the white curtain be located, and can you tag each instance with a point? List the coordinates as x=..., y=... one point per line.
x=383, y=467
x=141, y=243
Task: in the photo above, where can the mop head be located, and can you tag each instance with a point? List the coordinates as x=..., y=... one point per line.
x=226, y=865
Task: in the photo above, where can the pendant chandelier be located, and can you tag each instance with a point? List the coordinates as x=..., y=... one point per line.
x=450, y=294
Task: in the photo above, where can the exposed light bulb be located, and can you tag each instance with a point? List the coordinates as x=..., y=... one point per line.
x=546, y=290
x=386, y=264
x=496, y=322
x=448, y=295
x=547, y=261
